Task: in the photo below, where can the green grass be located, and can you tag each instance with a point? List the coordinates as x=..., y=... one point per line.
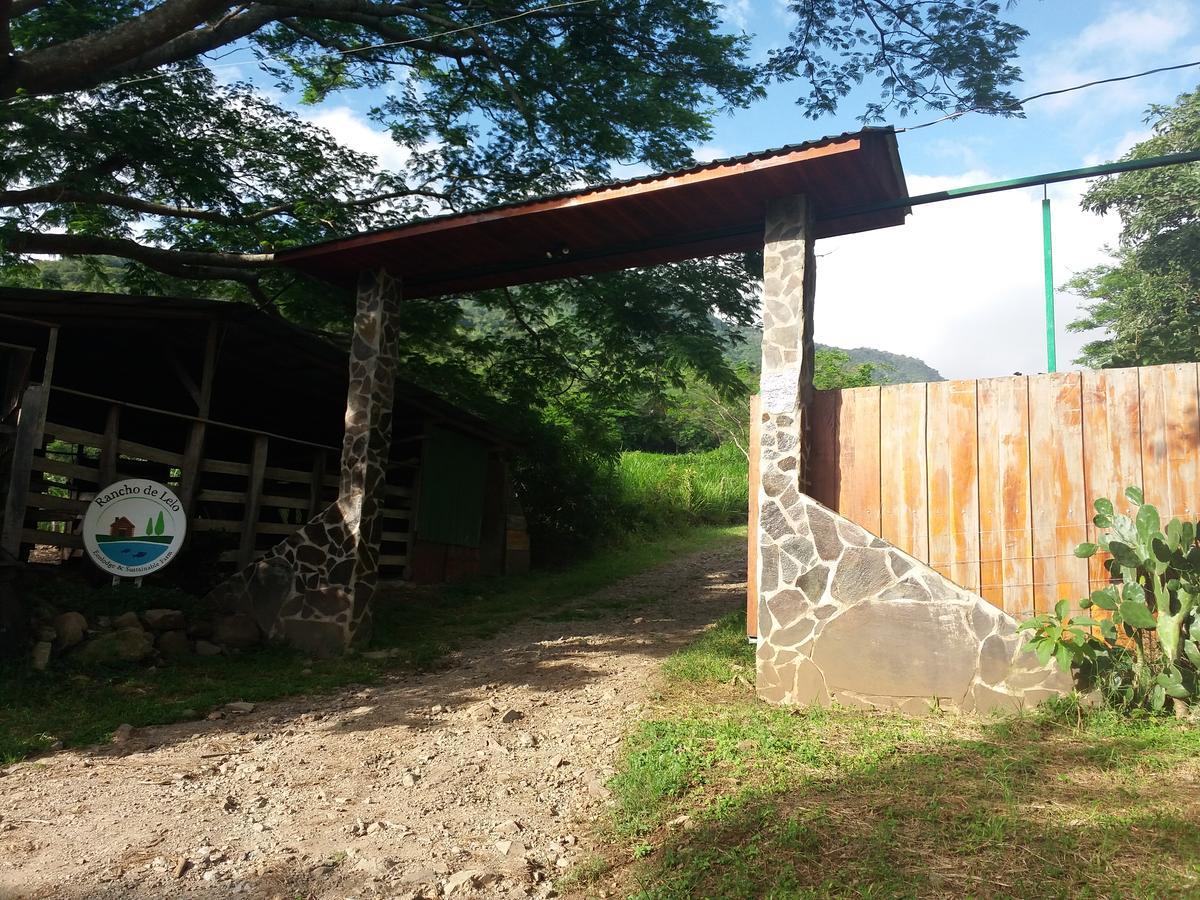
x=38, y=708
x=791, y=803
x=658, y=489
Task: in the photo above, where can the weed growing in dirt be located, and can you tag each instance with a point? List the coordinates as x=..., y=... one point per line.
x=738, y=799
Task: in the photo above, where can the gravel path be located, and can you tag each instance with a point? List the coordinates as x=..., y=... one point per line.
x=478, y=780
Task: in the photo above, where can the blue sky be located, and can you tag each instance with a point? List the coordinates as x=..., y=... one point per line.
x=960, y=284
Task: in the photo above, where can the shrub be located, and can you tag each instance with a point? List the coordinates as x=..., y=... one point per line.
x=1146, y=647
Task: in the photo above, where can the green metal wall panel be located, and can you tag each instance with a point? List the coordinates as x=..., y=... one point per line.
x=453, y=475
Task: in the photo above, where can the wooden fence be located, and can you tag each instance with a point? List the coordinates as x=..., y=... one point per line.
x=250, y=503
x=991, y=482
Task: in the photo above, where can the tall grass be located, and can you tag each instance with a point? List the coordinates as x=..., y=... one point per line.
x=657, y=490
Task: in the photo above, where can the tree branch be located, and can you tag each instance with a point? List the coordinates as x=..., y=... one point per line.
x=240, y=267
x=60, y=66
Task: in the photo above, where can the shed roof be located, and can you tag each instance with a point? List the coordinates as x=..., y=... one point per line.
x=301, y=372
x=716, y=207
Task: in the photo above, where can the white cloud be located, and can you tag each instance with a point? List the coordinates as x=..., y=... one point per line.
x=1127, y=37
x=960, y=285
x=357, y=133
x=737, y=12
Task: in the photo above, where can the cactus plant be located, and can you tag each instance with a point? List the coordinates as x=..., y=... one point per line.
x=1147, y=648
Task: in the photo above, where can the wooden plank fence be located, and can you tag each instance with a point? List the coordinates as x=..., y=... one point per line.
x=991, y=482
x=253, y=504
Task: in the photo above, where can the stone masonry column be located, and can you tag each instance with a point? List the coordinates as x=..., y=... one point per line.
x=368, y=437
x=789, y=282
x=314, y=589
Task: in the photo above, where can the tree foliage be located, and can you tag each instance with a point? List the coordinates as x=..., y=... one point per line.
x=1148, y=300
x=949, y=55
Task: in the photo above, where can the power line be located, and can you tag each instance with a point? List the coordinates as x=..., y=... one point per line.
x=1077, y=87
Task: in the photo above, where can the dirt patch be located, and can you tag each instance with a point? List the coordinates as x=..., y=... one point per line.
x=477, y=779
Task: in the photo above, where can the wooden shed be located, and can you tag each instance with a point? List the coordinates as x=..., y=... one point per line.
x=243, y=415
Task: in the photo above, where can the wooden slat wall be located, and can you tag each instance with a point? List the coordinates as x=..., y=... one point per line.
x=255, y=503
x=904, y=476
x=992, y=481
x=1005, y=517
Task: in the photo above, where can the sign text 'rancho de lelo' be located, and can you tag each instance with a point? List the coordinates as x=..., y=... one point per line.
x=134, y=527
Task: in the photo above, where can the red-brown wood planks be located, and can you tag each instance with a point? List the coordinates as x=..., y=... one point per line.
x=1112, y=456
x=1005, y=521
x=1060, y=504
x=1171, y=440
x=904, y=487
x=953, y=481
x=858, y=461
x=825, y=442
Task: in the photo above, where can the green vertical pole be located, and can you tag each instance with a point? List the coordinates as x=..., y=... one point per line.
x=1048, y=250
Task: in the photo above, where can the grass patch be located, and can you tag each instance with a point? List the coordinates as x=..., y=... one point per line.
x=659, y=489
x=720, y=795
x=719, y=655
x=81, y=707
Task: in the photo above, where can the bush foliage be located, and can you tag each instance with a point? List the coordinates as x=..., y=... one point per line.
x=1139, y=638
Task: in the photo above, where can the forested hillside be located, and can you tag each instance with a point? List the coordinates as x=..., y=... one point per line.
x=888, y=367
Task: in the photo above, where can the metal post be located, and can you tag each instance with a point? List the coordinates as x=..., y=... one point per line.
x=1048, y=252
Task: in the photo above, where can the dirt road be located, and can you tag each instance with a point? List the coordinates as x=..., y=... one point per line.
x=478, y=780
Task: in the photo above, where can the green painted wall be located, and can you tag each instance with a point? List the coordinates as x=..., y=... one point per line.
x=450, y=502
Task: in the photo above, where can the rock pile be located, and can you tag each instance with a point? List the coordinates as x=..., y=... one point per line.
x=155, y=636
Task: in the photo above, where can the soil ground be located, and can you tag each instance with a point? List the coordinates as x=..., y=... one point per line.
x=481, y=778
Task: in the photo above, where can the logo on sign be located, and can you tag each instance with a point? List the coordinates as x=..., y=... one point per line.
x=134, y=527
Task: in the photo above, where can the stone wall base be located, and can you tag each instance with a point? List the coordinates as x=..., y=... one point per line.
x=303, y=592
x=866, y=625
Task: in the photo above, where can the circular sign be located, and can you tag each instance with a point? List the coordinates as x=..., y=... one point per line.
x=134, y=527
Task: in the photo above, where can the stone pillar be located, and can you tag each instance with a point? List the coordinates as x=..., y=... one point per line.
x=789, y=276
x=367, y=442
x=789, y=281
x=314, y=589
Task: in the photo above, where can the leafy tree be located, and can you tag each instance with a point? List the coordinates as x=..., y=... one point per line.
x=150, y=527
x=159, y=526
x=949, y=55
x=1149, y=299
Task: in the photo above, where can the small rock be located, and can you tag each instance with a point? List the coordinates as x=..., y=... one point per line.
x=122, y=734
x=408, y=779
x=525, y=739
x=181, y=866
x=205, y=648
x=512, y=826
x=437, y=708
x=556, y=762
x=238, y=630
x=41, y=655
x=174, y=644
x=511, y=715
x=596, y=788
x=127, y=620
x=69, y=629
x=125, y=645
x=483, y=712
x=215, y=715
x=239, y=707
x=164, y=619
x=459, y=881
x=510, y=848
